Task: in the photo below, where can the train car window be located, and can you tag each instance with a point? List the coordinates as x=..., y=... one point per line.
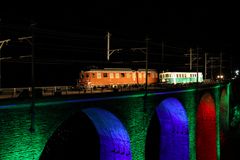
x=111, y=75
x=99, y=75
x=140, y=75
x=93, y=75
x=161, y=76
x=105, y=75
x=149, y=75
x=117, y=75
x=122, y=75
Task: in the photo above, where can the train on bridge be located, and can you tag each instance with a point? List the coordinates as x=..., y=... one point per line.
x=180, y=77
x=125, y=77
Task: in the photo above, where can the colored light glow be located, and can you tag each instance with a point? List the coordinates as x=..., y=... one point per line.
x=171, y=92
x=174, y=134
x=206, y=129
x=58, y=102
x=114, y=139
x=224, y=114
x=38, y=104
x=7, y=106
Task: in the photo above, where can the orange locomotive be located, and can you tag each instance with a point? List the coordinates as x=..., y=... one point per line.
x=116, y=77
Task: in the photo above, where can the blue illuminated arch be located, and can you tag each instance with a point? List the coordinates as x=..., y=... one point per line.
x=174, y=135
x=114, y=139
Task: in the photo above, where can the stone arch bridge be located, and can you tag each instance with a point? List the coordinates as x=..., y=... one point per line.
x=179, y=124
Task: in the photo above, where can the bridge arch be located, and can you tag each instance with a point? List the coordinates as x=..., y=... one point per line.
x=92, y=133
x=206, y=147
x=173, y=134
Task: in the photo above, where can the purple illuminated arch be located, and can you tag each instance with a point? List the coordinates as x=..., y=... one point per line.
x=174, y=135
x=206, y=129
x=114, y=139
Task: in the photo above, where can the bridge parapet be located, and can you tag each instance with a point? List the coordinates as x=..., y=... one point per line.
x=141, y=118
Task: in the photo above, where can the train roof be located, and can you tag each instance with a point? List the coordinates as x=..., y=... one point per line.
x=118, y=69
x=148, y=69
x=112, y=69
x=180, y=72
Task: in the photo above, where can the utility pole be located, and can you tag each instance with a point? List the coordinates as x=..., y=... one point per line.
x=162, y=58
x=214, y=64
x=190, y=52
x=146, y=83
x=32, y=109
x=110, y=52
x=1, y=45
x=192, y=58
x=108, y=45
x=32, y=127
x=220, y=67
x=205, y=74
x=211, y=69
x=197, y=65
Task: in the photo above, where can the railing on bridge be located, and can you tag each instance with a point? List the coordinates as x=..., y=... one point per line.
x=25, y=92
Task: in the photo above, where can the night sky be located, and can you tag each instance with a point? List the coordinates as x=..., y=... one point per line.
x=71, y=38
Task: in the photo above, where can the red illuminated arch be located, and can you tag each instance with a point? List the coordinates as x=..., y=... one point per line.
x=206, y=148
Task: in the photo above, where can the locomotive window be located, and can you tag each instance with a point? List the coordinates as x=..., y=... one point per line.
x=140, y=75
x=153, y=75
x=93, y=75
x=122, y=75
x=98, y=75
x=117, y=75
x=111, y=75
x=104, y=74
x=134, y=75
